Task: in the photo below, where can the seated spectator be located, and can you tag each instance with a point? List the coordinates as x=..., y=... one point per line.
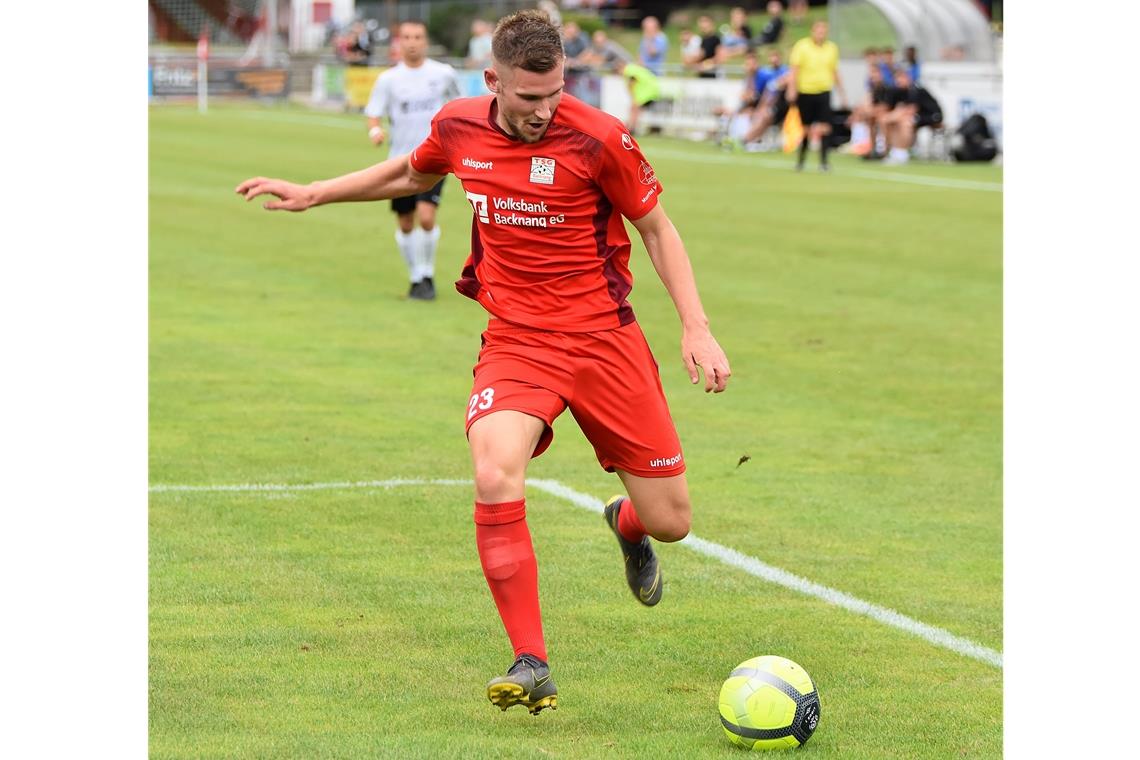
x=575, y=43
x=738, y=39
x=712, y=52
x=653, y=46
x=871, y=58
x=358, y=45
x=911, y=107
x=644, y=89
x=771, y=32
x=798, y=9
x=910, y=55
x=690, y=49
x=887, y=65
x=550, y=8
x=866, y=140
x=769, y=84
x=603, y=51
x=955, y=52
x=479, y=46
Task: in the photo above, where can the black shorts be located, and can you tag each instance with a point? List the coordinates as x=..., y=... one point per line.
x=407, y=203
x=815, y=108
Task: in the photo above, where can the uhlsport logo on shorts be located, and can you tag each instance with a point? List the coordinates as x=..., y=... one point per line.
x=670, y=462
x=542, y=170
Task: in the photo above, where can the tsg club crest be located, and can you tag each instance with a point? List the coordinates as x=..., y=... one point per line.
x=542, y=170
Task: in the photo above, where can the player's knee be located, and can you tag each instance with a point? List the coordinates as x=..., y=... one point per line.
x=495, y=483
x=675, y=524
x=674, y=530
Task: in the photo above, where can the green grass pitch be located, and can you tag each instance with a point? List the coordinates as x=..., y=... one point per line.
x=862, y=318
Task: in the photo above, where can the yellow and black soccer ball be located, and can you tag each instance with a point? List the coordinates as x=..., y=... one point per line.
x=769, y=702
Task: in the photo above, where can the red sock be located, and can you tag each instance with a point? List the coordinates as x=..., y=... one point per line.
x=507, y=556
x=629, y=524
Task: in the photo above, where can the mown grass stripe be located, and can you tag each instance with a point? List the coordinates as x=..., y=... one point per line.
x=751, y=565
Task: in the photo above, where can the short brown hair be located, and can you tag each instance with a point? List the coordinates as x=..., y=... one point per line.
x=527, y=40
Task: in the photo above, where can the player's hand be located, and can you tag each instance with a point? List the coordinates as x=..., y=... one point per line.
x=376, y=135
x=291, y=197
x=700, y=349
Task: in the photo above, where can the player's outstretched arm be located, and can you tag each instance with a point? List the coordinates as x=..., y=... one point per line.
x=698, y=346
x=393, y=178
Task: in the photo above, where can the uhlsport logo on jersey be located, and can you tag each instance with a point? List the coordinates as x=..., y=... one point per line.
x=542, y=170
x=670, y=462
x=471, y=163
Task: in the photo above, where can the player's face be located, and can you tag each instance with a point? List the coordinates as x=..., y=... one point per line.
x=413, y=42
x=527, y=100
x=819, y=32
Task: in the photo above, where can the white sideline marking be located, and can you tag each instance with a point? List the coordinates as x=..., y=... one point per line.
x=750, y=565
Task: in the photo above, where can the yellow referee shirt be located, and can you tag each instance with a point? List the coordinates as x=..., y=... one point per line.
x=815, y=65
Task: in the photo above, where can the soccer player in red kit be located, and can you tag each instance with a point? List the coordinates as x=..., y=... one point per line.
x=549, y=179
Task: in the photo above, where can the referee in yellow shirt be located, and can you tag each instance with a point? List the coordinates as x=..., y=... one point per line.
x=814, y=65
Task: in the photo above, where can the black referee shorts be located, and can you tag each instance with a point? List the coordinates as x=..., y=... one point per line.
x=407, y=203
x=815, y=108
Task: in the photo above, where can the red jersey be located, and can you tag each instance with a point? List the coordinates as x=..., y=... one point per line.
x=549, y=249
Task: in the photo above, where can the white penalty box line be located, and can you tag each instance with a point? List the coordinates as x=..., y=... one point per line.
x=937, y=636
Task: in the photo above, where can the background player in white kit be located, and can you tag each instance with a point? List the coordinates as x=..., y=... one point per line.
x=409, y=94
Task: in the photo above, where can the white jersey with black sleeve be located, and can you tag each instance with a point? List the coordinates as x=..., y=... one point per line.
x=410, y=97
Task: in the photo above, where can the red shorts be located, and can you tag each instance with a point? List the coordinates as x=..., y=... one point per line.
x=608, y=379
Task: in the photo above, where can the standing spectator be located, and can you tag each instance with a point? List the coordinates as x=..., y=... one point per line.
x=644, y=89
x=814, y=72
x=771, y=32
x=712, y=52
x=395, y=55
x=690, y=49
x=911, y=107
x=410, y=94
x=653, y=46
x=479, y=46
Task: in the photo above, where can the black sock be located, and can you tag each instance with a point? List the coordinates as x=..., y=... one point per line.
x=823, y=152
x=803, y=150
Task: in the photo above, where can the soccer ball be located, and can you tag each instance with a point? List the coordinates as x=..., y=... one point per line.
x=769, y=702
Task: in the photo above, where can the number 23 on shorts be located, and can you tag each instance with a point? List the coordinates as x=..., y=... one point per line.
x=480, y=402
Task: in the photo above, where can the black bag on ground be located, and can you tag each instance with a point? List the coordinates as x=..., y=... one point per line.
x=840, y=132
x=974, y=141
